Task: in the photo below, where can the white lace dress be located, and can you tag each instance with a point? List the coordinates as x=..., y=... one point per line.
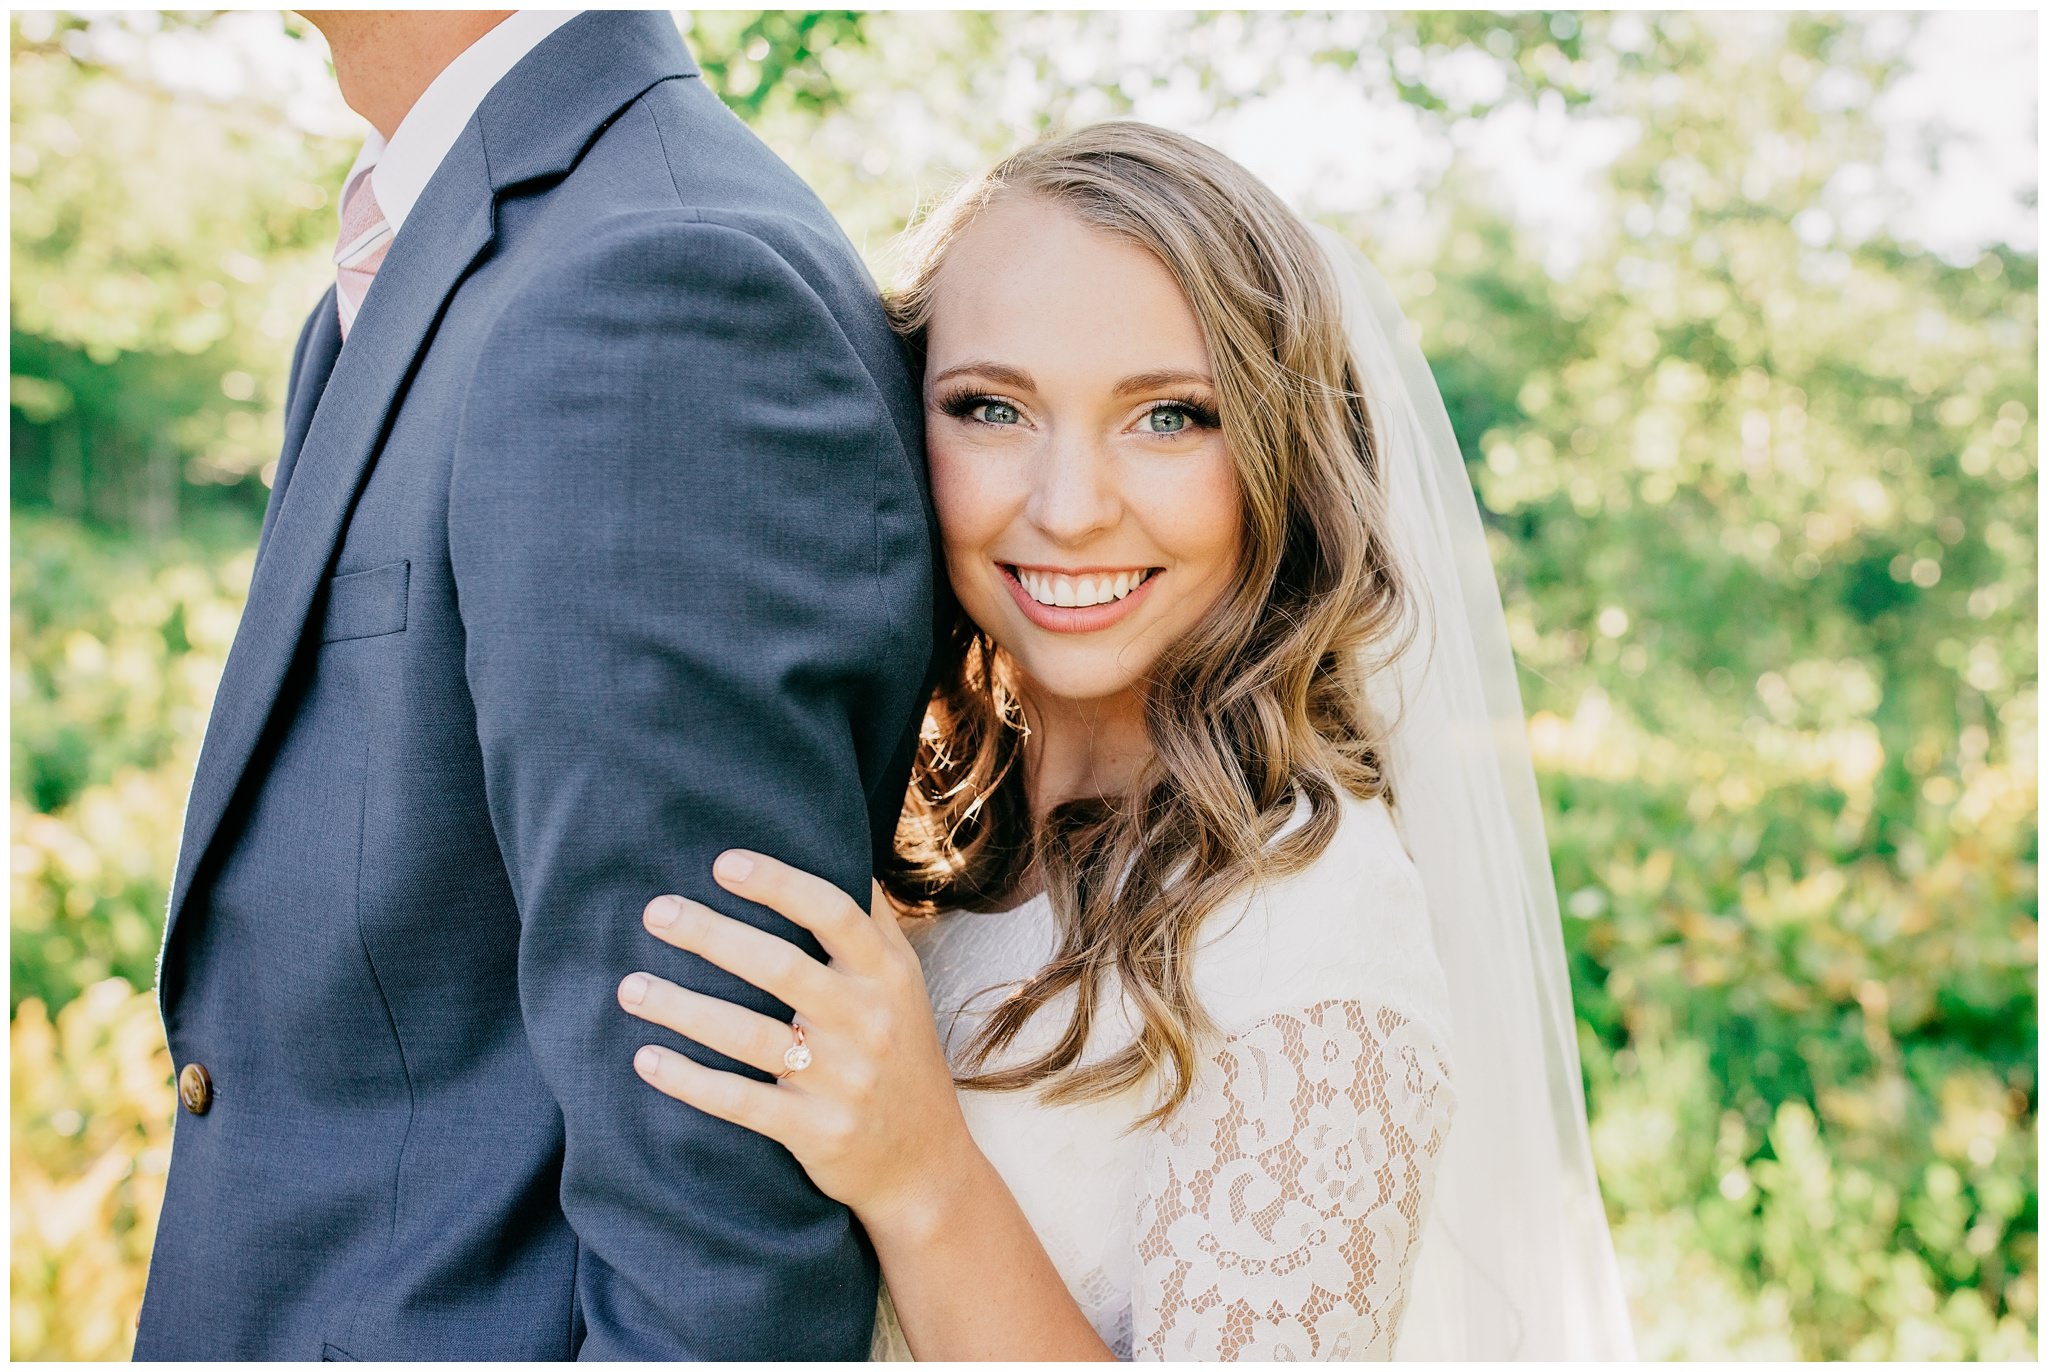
x=1277, y=1214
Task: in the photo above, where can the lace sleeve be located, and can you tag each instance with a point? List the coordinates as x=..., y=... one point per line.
x=1280, y=1206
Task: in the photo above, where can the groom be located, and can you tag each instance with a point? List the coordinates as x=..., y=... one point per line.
x=598, y=544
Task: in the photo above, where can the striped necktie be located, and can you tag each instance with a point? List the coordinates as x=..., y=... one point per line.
x=365, y=238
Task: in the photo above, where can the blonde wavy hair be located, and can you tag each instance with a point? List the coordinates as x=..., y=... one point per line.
x=1262, y=702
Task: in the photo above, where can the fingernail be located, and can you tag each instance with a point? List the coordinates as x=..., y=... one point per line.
x=633, y=989
x=735, y=866
x=662, y=911
x=647, y=1062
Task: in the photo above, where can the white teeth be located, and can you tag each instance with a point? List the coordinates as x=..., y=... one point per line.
x=1068, y=592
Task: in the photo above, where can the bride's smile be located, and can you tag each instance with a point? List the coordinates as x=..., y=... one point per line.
x=1084, y=590
x=1087, y=499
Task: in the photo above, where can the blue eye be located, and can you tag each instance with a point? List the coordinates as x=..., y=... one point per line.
x=1173, y=418
x=979, y=407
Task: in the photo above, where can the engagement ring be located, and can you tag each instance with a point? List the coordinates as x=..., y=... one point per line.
x=799, y=1055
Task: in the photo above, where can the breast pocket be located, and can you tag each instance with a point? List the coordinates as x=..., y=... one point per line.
x=365, y=604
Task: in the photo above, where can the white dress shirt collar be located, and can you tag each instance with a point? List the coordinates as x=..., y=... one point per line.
x=399, y=170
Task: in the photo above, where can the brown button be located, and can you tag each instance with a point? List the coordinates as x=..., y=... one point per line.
x=195, y=1088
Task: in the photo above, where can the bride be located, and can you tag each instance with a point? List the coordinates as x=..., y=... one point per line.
x=1213, y=1004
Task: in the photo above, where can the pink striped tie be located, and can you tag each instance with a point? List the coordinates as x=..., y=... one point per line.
x=365, y=238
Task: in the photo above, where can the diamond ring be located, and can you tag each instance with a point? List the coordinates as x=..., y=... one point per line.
x=799, y=1055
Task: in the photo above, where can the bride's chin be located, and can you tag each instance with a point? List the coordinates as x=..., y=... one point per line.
x=1072, y=677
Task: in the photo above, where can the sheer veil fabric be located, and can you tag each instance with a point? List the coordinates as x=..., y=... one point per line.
x=1515, y=1260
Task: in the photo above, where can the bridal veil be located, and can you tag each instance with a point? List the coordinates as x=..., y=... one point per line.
x=1516, y=1261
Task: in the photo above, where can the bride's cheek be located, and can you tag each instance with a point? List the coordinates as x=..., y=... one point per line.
x=1197, y=514
x=972, y=497
x=967, y=493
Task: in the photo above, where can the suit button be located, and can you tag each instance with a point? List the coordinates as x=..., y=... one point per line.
x=195, y=1088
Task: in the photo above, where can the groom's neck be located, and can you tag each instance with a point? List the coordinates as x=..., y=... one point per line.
x=384, y=59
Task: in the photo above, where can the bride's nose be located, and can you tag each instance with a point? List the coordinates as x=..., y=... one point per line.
x=1073, y=493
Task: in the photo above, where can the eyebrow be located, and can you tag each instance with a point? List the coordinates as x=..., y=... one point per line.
x=1154, y=381
x=1014, y=377
x=1019, y=379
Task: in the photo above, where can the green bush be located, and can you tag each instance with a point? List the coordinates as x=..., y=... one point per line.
x=117, y=648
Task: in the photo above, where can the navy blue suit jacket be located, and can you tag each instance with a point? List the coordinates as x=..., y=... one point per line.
x=602, y=546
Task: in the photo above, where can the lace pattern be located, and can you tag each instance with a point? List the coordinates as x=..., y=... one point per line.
x=1276, y=1214
x=1280, y=1207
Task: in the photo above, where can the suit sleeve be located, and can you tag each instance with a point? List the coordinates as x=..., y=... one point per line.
x=694, y=575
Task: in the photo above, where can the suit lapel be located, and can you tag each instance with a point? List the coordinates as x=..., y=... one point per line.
x=442, y=238
x=309, y=383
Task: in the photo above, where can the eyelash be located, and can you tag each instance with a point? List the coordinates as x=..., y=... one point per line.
x=1199, y=415
x=963, y=406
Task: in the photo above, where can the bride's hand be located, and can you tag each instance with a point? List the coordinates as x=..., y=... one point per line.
x=872, y=1117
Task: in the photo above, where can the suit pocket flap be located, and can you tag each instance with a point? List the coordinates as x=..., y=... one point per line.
x=365, y=604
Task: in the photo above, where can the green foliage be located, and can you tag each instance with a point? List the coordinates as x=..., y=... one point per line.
x=117, y=649
x=153, y=311
x=1762, y=495
x=1766, y=515
x=90, y=1113
x=758, y=58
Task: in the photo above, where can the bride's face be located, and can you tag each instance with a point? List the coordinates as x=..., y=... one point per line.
x=1086, y=497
